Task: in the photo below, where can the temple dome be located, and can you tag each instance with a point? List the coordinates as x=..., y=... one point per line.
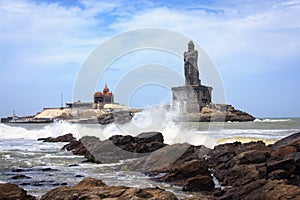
x=105, y=89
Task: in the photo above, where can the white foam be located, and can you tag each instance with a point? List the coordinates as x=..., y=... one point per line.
x=271, y=120
x=51, y=130
x=156, y=118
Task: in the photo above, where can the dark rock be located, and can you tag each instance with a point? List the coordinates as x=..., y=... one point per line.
x=251, y=157
x=143, y=143
x=278, y=189
x=90, y=188
x=243, y=174
x=262, y=189
x=199, y=183
x=64, y=138
x=117, y=147
x=48, y=169
x=73, y=165
x=10, y=191
x=247, y=192
x=21, y=176
x=17, y=170
x=149, y=137
x=292, y=140
x=255, y=171
x=37, y=184
x=285, y=164
x=24, y=184
x=176, y=164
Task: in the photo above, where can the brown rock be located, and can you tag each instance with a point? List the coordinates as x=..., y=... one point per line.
x=255, y=171
x=292, y=140
x=251, y=157
x=149, y=137
x=95, y=189
x=242, y=174
x=175, y=164
x=262, y=189
x=199, y=183
x=288, y=165
x=117, y=147
x=10, y=191
x=64, y=138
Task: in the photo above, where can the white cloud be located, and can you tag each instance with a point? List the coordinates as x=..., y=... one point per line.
x=41, y=41
x=261, y=29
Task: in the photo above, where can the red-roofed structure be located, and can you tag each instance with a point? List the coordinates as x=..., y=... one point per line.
x=104, y=97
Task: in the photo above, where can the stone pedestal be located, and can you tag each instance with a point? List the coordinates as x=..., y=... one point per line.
x=191, y=99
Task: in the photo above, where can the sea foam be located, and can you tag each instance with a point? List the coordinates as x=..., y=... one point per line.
x=156, y=118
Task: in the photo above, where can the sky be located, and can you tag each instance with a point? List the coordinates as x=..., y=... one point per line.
x=254, y=45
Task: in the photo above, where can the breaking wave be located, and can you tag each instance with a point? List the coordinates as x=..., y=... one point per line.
x=271, y=120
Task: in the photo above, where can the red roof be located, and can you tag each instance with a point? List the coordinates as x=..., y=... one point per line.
x=105, y=92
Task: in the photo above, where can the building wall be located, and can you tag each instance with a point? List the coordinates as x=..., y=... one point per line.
x=104, y=99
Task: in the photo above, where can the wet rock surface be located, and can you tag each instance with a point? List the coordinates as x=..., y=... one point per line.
x=95, y=189
x=117, y=147
x=9, y=191
x=218, y=113
x=178, y=164
x=256, y=171
x=64, y=138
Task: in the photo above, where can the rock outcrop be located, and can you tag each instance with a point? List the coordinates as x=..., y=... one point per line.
x=9, y=191
x=256, y=171
x=244, y=170
x=95, y=189
x=218, y=113
x=177, y=164
x=117, y=147
x=64, y=138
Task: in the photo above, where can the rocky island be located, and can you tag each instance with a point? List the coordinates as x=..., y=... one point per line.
x=192, y=102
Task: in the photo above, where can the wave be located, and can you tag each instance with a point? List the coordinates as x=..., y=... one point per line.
x=271, y=120
x=51, y=130
x=156, y=118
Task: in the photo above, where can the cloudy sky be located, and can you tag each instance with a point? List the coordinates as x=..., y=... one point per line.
x=255, y=46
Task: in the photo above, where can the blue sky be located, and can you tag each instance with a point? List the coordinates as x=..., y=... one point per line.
x=255, y=45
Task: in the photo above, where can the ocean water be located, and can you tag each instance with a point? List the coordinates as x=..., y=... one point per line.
x=48, y=167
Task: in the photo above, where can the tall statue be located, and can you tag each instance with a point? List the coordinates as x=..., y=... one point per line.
x=190, y=65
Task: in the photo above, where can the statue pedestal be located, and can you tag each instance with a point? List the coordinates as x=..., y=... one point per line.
x=191, y=99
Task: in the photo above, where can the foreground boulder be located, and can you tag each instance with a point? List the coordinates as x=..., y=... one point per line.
x=177, y=164
x=10, y=191
x=117, y=147
x=256, y=171
x=95, y=189
x=64, y=138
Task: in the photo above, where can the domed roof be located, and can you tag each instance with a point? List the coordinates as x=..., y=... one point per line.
x=105, y=89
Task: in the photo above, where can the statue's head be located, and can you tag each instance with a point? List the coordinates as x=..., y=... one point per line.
x=191, y=45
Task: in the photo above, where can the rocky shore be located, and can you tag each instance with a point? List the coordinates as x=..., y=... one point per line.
x=229, y=171
x=217, y=113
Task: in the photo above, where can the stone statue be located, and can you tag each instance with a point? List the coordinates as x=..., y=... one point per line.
x=190, y=65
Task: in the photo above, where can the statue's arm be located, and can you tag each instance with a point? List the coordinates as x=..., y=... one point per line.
x=185, y=56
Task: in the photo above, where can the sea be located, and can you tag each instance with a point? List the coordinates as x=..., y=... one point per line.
x=46, y=166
